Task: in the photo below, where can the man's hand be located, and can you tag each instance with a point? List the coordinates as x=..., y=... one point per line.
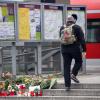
x=84, y=54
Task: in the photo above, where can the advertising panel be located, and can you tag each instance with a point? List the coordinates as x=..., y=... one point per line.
x=53, y=20
x=7, y=29
x=81, y=15
x=29, y=27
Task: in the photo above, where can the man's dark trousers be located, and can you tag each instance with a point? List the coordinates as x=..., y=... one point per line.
x=69, y=54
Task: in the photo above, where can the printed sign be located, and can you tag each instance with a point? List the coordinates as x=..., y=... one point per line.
x=29, y=22
x=52, y=21
x=81, y=15
x=7, y=30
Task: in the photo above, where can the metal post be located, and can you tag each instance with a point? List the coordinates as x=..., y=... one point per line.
x=36, y=67
x=51, y=62
x=13, y=54
x=42, y=22
x=39, y=58
x=26, y=61
x=64, y=22
x=84, y=66
x=62, y=66
x=64, y=14
x=0, y=61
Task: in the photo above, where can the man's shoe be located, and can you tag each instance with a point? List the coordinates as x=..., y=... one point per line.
x=73, y=77
x=67, y=88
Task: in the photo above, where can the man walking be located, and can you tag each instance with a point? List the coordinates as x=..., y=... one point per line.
x=72, y=47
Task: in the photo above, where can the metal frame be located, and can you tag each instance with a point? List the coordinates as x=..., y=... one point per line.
x=1, y=60
x=83, y=69
x=38, y=47
x=61, y=5
x=31, y=3
x=11, y=2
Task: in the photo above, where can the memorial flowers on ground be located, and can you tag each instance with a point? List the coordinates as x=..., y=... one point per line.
x=25, y=85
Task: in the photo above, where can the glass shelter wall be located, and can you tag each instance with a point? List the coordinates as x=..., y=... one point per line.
x=37, y=28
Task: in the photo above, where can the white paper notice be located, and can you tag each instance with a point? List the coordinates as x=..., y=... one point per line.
x=1, y=17
x=6, y=30
x=34, y=22
x=52, y=24
x=81, y=18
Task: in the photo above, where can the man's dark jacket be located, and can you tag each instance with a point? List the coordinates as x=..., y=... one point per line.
x=79, y=44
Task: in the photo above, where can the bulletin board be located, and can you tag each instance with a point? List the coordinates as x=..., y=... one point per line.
x=53, y=20
x=80, y=11
x=29, y=28
x=7, y=21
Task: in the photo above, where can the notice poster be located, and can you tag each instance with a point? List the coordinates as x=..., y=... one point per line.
x=29, y=22
x=7, y=30
x=24, y=28
x=52, y=22
x=81, y=16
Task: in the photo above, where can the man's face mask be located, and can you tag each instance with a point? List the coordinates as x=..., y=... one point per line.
x=69, y=23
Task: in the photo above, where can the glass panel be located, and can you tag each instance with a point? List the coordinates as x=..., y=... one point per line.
x=93, y=32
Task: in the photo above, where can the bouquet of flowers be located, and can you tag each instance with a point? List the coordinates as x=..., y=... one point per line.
x=25, y=85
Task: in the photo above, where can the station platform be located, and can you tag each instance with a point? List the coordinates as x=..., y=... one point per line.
x=91, y=78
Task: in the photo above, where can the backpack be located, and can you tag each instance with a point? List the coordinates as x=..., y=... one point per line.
x=67, y=35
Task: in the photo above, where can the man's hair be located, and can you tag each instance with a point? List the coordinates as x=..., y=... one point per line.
x=74, y=16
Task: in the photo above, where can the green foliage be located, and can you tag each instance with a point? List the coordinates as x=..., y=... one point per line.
x=7, y=82
x=14, y=87
x=45, y=84
x=36, y=90
x=19, y=80
x=53, y=82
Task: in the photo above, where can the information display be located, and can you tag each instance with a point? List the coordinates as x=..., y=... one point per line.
x=29, y=27
x=7, y=29
x=52, y=21
x=81, y=15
